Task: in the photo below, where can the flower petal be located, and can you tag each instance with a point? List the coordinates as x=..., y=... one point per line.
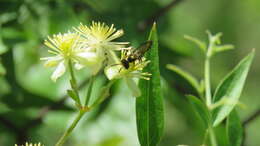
x=112, y=71
x=96, y=67
x=88, y=58
x=51, y=61
x=78, y=66
x=59, y=71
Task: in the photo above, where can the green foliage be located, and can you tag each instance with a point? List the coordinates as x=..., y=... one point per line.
x=234, y=129
x=26, y=90
x=231, y=87
x=200, y=108
x=149, y=106
x=226, y=95
x=202, y=45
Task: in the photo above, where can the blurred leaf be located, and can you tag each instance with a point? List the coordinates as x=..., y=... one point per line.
x=202, y=45
x=200, y=108
x=4, y=108
x=2, y=69
x=221, y=48
x=231, y=87
x=6, y=17
x=234, y=129
x=3, y=47
x=187, y=76
x=149, y=106
x=73, y=95
x=21, y=98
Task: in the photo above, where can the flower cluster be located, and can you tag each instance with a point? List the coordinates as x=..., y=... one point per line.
x=93, y=47
x=30, y=144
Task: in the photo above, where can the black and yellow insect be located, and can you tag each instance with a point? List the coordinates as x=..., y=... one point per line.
x=131, y=56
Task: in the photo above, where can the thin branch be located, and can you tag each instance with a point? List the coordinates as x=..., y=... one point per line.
x=155, y=17
x=8, y=124
x=21, y=135
x=251, y=118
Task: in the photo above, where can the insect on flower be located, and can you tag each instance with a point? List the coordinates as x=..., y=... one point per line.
x=130, y=56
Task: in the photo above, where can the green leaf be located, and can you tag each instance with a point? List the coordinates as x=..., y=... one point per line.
x=200, y=108
x=202, y=45
x=221, y=48
x=187, y=76
x=234, y=129
x=2, y=69
x=149, y=106
x=3, y=47
x=231, y=88
x=73, y=95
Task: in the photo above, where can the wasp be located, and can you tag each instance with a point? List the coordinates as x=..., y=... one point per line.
x=130, y=56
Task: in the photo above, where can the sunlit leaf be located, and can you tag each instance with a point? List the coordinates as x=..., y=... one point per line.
x=149, y=106
x=231, y=87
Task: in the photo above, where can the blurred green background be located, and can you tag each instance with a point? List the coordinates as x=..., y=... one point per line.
x=31, y=105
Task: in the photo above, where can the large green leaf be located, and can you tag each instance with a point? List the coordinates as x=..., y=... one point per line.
x=231, y=88
x=149, y=106
x=234, y=129
x=200, y=108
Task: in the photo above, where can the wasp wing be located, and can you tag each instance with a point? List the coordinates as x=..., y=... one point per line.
x=144, y=47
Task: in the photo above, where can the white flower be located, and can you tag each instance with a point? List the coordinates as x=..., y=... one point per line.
x=117, y=71
x=134, y=70
x=100, y=36
x=70, y=46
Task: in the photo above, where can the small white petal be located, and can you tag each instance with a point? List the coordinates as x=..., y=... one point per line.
x=59, y=71
x=78, y=66
x=88, y=58
x=52, y=61
x=112, y=71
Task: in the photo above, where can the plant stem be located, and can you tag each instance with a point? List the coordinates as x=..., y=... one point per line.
x=73, y=83
x=205, y=137
x=208, y=93
x=91, y=81
x=85, y=109
x=69, y=130
x=72, y=72
x=212, y=137
x=207, y=81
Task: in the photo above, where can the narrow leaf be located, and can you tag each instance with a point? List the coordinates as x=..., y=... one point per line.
x=231, y=88
x=73, y=95
x=187, y=76
x=149, y=106
x=234, y=129
x=200, y=108
x=221, y=48
x=202, y=45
